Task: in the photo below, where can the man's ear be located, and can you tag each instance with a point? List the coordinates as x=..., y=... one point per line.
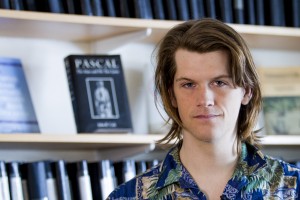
x=247, y=96
x=173, y=98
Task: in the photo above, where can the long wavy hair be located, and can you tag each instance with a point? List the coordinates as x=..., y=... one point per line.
x=202, y=36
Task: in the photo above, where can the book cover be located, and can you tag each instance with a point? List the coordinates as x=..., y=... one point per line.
x=15, y=181
x=109, y=8
x=170, y=9
x=210, y=8
x=98, y=93
x=183, y=12
x=62, y=180
x=260, y=12
x=142, y=9
x=292, y=10
x=4, y=4
x=17, y=114
x=281, y=100
x=4, y=184
x=275, y=12
x=225, y=11
x=239, y=10
x=97, y=7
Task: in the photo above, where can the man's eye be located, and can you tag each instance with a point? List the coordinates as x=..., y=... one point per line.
x=219, y=83
x=188, y=85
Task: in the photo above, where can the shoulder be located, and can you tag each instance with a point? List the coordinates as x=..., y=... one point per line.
x=287, y=169
x=133, y=188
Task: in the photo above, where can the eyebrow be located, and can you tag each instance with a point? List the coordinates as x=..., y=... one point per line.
x=217, y=77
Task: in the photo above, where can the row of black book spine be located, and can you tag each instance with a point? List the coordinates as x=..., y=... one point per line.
x=257, y=12
x=63, y=180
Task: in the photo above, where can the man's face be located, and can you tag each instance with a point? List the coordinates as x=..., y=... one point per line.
x=205, y=96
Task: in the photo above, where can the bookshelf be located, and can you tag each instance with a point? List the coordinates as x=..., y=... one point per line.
x=88, y=29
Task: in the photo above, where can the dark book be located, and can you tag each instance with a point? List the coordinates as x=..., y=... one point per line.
x=225, y=11
x=109, y=8
x=98, y=92
x=29, y=5
x=97, y=7
x=275, y=12
x=15, y=181
x=170, y=9
x=124, y=170
x=16, y=5
x=158, y=9
x=140, y=166
x=292, y=10
x=68, y=6
x=24, y=177
x=62, y=180
x=210, y=8
x=80, y=181
x=37, y=181
x=5, y=4
x=125, y=8
x=196, y=8
x=4, y=184
x=250, y=12
x=53, y=6
x=103, y=178
x=239, y=11
x=260, y=12
x=142, y=9
x=183, y=12
x=51, y=180
x=17, y=114
x=86, y=7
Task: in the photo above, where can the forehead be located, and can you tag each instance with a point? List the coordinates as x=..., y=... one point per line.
x=192, y=63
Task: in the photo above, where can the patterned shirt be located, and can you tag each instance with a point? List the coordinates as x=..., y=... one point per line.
x=256, y=176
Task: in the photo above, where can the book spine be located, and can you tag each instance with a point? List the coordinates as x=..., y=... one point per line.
x=24, y=177
x=210, y=6
x=277, y=14
x=37, y=181
x=107, y=178
x=196, y=9
x=141, y=167
x=68, y=6
x=158, y=9
x=97, y=7
x=239, y=11
x=250, y=12
x=170, y=10
x=51, y=181
x=260, y=12
x=129, y=169
x=16, y=5
x=182, y=10
x=63, y=185
x=55, y=6
x=109, y=8
x=296, y=13
x=4, y=4
x=4, y=185
x=71, y=81
x=86, y=8
x=226, y=12
x=15, y=181
x=84, y=181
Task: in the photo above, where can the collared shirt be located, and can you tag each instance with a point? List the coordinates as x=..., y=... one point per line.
x=256, y=176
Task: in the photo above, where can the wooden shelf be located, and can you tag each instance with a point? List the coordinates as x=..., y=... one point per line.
x=281, y=140
x=68, y=27
x=76, y=141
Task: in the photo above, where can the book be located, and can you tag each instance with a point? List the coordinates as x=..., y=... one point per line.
x=260, y=12
x=97, y=7
x=225, y=11
x=86, y=7
x=17, y=114
x=24, y=177
x=292, y=10
x=15, y=181
x=124, y=8
x=68, y=6
x=109, y=8
x=5, y=4
x=239, y=11
x=196, y=8
x=62, y=180
x=4, y=184
x=103, y=178
x=51, y=180
x=183, y=12
x=16, y=5
x=98, y=93
x=142, y=9
x=170, y=9
x=250, y=12
x=210, y=8
x=158, y=9
x=37, y=184
x=281, y=100
x=275, y=12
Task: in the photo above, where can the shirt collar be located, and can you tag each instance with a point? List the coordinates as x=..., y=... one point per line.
x=172, y=171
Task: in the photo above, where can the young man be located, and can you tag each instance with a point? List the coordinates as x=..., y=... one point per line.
x=210, y=90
